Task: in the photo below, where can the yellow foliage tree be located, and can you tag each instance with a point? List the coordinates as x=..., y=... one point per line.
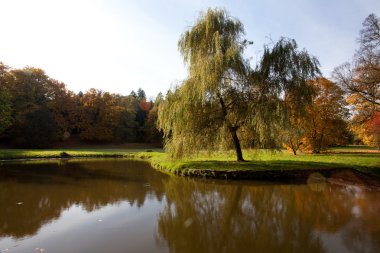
x=100, y=116
x=325, y=118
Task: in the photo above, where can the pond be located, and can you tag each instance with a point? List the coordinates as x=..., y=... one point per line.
x=117, y=205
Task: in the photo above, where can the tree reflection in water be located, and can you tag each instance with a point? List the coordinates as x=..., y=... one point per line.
x=47, y=189
x=247, y=217
x=195, y=215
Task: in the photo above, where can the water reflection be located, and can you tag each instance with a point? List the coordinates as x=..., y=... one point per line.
x=172, y=214
x=268, y=218
x=33, y=194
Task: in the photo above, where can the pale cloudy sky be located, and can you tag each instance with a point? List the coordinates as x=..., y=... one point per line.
x=117, y=45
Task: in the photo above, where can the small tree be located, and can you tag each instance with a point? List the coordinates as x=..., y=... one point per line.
x=292, y=136
x=325, y=121
x=369, y=131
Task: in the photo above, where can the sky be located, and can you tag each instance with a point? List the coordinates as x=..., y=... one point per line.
x=121, y=45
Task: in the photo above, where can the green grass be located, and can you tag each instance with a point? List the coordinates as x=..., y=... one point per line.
x=257, y=160
x=352, y=149
x=268, y=160
x=10, y=154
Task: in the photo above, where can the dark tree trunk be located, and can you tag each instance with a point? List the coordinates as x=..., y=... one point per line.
x=239, y=153
x=233, y=131
x=293, y=147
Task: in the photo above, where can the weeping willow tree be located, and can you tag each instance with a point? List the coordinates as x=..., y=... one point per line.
x=223, y=103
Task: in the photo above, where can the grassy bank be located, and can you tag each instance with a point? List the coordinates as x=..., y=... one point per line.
x=220, y=164
x=266, y=161
x=14, y=154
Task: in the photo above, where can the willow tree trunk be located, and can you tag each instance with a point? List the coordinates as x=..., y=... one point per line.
x=235, y=138
x=233, y=131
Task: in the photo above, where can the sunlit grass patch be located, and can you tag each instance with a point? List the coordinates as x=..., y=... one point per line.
x=7, y=154
x=258, y=160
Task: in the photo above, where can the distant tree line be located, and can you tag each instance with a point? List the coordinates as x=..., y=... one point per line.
x=37, y=111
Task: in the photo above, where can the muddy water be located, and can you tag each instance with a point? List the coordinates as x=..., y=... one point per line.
x=126, y=206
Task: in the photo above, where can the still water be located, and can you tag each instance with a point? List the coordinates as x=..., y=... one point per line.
x=126, y=206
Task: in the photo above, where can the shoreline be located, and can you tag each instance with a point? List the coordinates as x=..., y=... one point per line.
x=336, y=175
x=252, y=173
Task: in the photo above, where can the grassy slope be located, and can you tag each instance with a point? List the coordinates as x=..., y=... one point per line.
x=222, y=161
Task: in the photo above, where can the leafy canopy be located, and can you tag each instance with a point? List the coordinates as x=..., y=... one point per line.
x=224, y=103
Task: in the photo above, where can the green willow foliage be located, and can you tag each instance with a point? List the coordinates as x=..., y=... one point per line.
x=224, y=103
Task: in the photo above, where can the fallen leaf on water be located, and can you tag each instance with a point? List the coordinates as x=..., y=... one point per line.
x=188, y=222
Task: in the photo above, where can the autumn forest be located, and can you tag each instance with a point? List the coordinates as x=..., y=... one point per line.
x=38, y=111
